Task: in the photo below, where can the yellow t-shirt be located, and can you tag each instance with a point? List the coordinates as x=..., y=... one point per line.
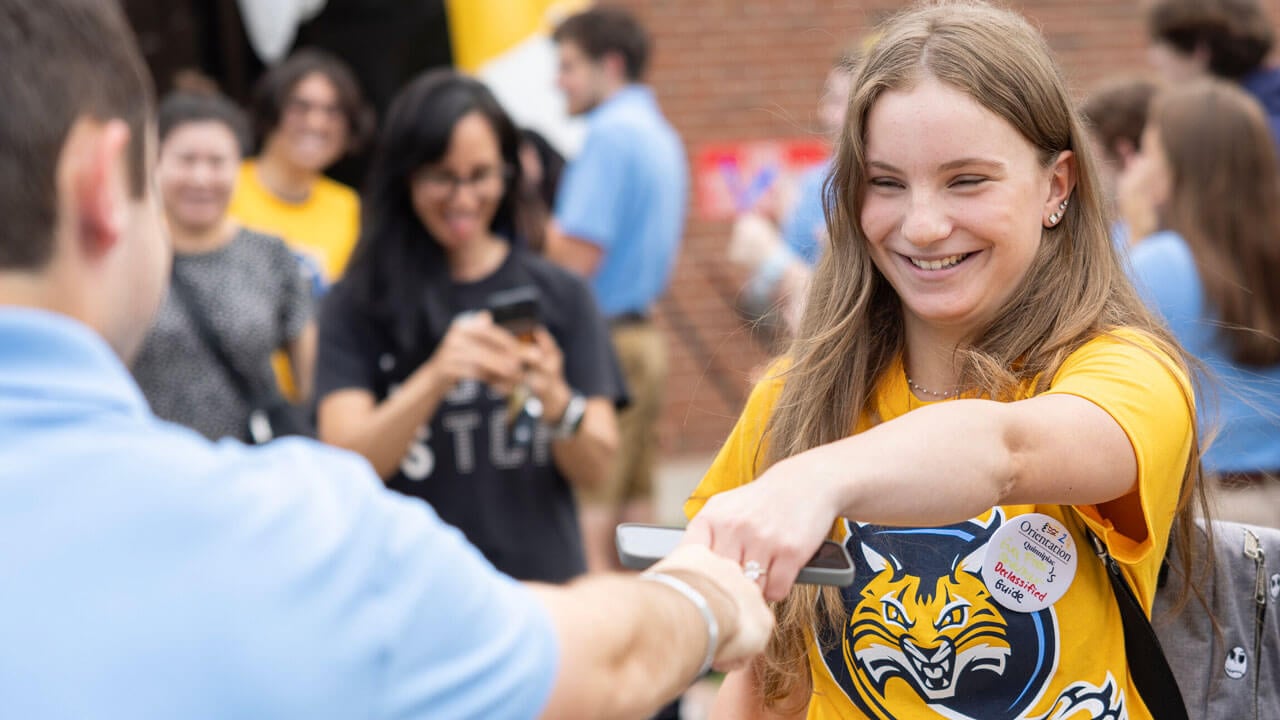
x=323, y=228
x=925, y=638
x=321, y=231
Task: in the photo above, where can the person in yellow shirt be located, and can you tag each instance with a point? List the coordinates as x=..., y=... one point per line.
x=975, y=388
x=308, y=112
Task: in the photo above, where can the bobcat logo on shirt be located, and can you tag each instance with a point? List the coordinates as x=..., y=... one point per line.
x=925, y=634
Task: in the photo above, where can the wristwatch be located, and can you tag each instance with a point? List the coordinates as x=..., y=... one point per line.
x=572, y=418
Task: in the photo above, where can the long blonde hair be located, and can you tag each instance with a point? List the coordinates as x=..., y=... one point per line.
x=852, y=331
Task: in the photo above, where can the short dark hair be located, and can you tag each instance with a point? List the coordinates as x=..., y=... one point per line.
x=63, y=60
x=1118, y=111
x=186, y=106
x=1236, y=33
x=602, y=30
x=274, y=89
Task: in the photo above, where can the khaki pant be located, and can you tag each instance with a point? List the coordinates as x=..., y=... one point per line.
x=642, y=353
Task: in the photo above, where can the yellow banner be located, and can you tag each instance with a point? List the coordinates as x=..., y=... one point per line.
x=483, y=30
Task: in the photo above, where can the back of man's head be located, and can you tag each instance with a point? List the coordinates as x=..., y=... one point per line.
x=60, y=60
x=1235, y=34
x=603, y=30
x=1117, y=113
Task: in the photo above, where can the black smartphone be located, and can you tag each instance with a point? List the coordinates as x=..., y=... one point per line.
x=517, y=310
x=640, y=546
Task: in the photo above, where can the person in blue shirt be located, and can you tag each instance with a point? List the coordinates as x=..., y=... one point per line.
x=1227, y=39
x=151, y=573
x=781, y=253
x=618, y=221
x=1207, y=174
x=804, y=229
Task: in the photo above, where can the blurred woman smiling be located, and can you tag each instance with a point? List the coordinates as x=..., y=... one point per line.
x=416, y=375
x=244, y=287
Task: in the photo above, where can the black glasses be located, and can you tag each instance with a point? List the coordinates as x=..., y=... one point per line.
x=486, y=182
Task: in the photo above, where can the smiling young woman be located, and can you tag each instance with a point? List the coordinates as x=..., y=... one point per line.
x=964, y=370
x=308, y=112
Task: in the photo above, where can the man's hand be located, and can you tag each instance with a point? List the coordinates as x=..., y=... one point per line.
x=746, y=623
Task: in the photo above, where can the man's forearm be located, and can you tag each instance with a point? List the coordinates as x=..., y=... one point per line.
x=627, y=647
x=576, y=254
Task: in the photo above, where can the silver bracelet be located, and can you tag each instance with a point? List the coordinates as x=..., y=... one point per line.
x=699, y=601
x=572, y=418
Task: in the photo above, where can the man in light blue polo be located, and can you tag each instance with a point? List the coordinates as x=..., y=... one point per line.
x=619, y=218
x=149, y=573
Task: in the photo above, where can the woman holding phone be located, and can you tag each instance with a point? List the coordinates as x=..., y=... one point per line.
x=413, y=372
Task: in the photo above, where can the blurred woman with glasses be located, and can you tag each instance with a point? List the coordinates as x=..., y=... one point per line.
x=308, y=112
x=415, y=374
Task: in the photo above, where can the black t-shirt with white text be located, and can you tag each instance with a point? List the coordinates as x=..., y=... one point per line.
x=510, y=501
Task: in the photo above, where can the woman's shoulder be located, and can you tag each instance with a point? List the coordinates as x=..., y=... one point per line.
x=550, y=278
x=1125, y=336
x=331, y=192
x=768, y=386
x=1128, y=351
x=258, y=242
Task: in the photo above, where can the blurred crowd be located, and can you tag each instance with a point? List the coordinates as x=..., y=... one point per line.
x=372, y=320
x=476, y=322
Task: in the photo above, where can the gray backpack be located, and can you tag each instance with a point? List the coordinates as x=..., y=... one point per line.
x=1227, y=660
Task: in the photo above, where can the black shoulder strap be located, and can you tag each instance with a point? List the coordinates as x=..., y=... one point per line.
x=209, y=336
x=1148, y=666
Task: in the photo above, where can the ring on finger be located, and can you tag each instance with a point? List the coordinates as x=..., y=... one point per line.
x=752, y=570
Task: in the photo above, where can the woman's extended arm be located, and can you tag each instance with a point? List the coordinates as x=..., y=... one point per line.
x=936, y=465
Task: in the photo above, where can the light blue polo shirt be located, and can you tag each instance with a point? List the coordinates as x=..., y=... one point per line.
x=805, y=226
x=627, y=192
x=148, y=573
x=1243, y=403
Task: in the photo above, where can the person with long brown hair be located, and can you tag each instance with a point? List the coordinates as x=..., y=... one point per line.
x=976, y=389
x=1209, y=261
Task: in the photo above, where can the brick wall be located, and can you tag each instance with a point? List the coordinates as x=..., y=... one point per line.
x=733, y=70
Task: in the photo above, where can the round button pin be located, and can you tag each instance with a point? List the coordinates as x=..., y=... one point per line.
x=1030, y=562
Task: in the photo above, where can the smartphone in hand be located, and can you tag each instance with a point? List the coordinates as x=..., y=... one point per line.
x=640, y=546
x=517, y=310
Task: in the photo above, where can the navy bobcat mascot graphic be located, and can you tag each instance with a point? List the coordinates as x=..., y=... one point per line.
x=924, y=632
